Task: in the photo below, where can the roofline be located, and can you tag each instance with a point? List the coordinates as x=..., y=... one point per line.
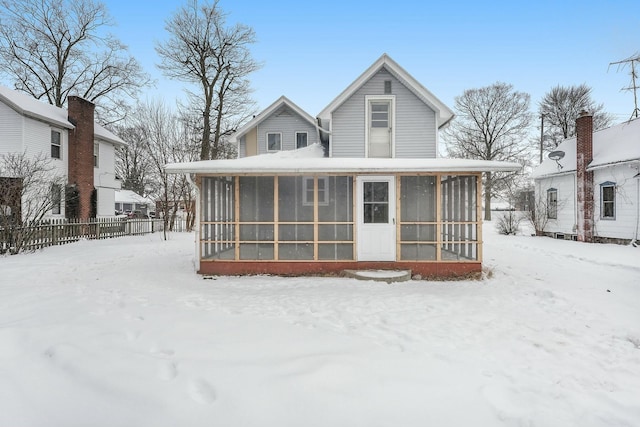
x=440, y=108
x=609, y=164
x=28, y=113
x=260, y=117
x=343, y=165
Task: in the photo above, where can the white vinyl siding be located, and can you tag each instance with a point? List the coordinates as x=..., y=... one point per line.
x=11, y=130
x=415, y=130
x=566, y=202
x=626, y=202
x=103, y=175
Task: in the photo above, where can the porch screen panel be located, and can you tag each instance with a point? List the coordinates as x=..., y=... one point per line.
x=418, y=227
x=293, y=199
x=217, y=218
x=459, y=231
x=256, y=207
x=335, y=218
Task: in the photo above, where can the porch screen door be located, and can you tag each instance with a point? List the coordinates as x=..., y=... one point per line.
x=376, y=218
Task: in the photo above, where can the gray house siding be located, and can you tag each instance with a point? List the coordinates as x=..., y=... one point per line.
x=287, y=123
x=242, y=149
x=415, y=129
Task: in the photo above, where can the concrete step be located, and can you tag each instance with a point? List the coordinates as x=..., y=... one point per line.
x=388, y=276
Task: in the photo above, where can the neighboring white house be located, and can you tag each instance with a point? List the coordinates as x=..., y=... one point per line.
x=592, y=189
x=129, y=201
x=359, y=186
x=82, y=151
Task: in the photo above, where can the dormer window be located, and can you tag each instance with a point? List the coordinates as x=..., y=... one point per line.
x=56, y=147
x=274, y=141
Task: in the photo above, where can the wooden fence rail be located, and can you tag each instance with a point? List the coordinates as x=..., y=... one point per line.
x=52, y=232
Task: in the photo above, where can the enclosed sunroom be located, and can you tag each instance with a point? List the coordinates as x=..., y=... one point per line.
x=278, y=214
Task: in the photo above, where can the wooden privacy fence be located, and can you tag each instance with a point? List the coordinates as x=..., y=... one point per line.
x=52, y=232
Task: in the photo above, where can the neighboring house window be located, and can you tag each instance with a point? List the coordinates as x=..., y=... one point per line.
x=387, y=87
x=96, y=154
x=56, y=147
x=608, y=200
x=274, y=141
x=552, y=203
x=323, y=191
x=301, y=139
x=56, y=199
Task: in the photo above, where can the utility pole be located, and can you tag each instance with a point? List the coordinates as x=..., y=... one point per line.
x=631, y=62
x=541, y=136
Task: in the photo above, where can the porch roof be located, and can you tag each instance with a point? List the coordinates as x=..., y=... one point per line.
x=272, y=164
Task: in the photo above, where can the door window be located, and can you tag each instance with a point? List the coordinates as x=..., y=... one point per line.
x=376, y=202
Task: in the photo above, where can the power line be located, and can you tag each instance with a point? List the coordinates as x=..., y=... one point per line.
x=631, y=63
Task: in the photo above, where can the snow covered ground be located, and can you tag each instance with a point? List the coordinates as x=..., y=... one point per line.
x=122, y=332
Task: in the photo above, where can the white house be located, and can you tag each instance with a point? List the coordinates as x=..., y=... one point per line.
x=591, y=184
x=359, y=186
x=81, y=150
x=129, y=201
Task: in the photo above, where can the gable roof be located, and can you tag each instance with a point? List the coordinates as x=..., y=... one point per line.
x=31, y=107
x=613, y=145
x=267, y=112
x=443, y=114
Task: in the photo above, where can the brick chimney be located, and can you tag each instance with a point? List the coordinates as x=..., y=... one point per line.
x=81, y=115
x=584, y=181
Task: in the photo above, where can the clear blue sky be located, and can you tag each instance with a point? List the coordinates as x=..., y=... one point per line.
x=312, y=50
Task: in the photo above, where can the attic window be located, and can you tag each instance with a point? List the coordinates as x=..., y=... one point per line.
x=387, y=87
x=274, y=141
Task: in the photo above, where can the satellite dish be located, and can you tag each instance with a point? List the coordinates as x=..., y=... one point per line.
x=556, y=155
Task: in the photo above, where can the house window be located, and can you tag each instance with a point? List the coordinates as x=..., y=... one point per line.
x=608, y=200
x=301, y=139
x=274, y=141
x=96, y=153
x=323, y=191
x=552, y=203
x=56, y=148
x=56, y=199
x=387, y=87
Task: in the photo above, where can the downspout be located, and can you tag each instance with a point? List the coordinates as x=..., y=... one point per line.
x=634, y=242
x=196, y=223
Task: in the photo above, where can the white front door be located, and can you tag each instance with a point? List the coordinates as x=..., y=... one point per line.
x=380, y=135
x=376, y=218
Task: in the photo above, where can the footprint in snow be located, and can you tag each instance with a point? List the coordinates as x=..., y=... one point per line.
x=201, y=391
x=167, y=370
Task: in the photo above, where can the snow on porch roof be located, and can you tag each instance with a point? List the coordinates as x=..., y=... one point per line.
x=311, y=160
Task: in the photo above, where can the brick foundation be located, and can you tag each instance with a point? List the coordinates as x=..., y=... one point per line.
x=425, y=269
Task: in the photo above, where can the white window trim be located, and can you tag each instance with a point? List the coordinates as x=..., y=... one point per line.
x=324, y=201
x=549, y=191
x=367, y=111
x=96, y=155
x=602, y=186
x=58, y=197
x=296, y=138
x=266, y=140
x=61, y=142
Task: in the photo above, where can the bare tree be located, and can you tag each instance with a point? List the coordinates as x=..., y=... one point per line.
x=491, y=124
x=54, y=48
x=167, y=140
x=561, y=106
x=30, y=188
x=133, y=164
x=204, y=52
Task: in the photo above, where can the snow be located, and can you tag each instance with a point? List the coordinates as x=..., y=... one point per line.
x=128, y=196
x=311, y=160
x=616, y=144
x=121, y=332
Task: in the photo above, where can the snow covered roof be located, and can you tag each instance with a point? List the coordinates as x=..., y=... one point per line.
x=616, y=144
x=311, y=160
x=31, y=107
x=128, y=196
x=280, y=102
x=443, y=114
